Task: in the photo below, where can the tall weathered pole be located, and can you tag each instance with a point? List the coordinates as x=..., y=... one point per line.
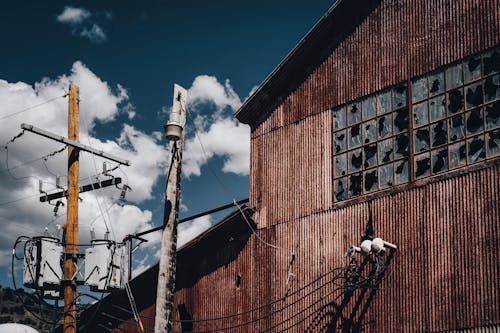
x=166, y=275
x=72, y=215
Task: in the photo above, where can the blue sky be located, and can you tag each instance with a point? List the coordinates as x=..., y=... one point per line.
x=126, y=56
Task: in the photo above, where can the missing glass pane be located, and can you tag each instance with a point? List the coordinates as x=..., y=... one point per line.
x=339, y=118
x=457, y=154
x=386, y=151
x=370, y=131
x=371, y=180
x=385, y=126
x=354, y=113
x=492, y=115
x=419, y=89
x=402, y=145
x=369, y=107
x=401, y=120
x=455, y=101
x=457, y=127
x=384, y=102
x=355, y=136
x=474, y=95
x=491, y=88
x=491, y=62
x=475, y=148
x=355, y=184
x=340, y=141
x=400, y=96
x=493, y=142
x=370, y=155
x=437, y=107
x=355, y=160
x=341, y=188
x=472, y=68
x=439, y=160
x=422, y=165
x=474, y=121
x=421, y=139
x=439, y=133
x=402, y=172
x=436, y=83
x=386, y=175
x=340, y=165
x=420, y=114
x=454, y=76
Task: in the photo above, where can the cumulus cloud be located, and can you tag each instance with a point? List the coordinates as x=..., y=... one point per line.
x=220, y=134
x=21, y=213
x=82, y=23
x=189, y=230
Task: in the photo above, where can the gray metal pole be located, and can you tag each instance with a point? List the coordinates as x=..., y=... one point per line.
x=167, y=270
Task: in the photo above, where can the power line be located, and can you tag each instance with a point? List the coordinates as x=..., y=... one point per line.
x=32, y=107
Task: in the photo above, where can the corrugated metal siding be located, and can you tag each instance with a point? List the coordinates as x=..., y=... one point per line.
x=444, y=275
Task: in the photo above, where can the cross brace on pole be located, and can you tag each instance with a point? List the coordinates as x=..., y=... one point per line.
x=84, y=188
x=73, y=143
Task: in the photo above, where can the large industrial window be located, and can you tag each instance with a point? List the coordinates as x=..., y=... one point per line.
x=456, y=114
x=371, y=142
x=455, y=121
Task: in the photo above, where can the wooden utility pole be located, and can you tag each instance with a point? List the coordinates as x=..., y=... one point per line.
x=167, y=270
x=72, y=215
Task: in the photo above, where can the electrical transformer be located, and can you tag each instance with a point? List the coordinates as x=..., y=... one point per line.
x=42, y=263
x=106, y=265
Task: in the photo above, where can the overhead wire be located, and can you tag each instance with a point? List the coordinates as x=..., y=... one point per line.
x=32, y=107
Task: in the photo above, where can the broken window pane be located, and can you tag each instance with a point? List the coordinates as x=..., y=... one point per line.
x=386, y=175
x=355, y=136
x=493, y=141
x=457, y=154
x=340, y=186
x=400, y=96
x=421, y=139
x=491, y=88
x=402, y=145
x=436, y=83
x=385, y=151
x=370, y=131
x=493, y=115
x=419, y=89
x=369, y=107
x=475, y=148
x=474, y=95
x=371, y=180
x=457, y=127
x=340, y=141
x=491, y=62
x=401, y=121
x=455, y=101
x=472, y=68
x=439, y=160
x=474, y=121
x=439, y=133
x=437, y=107
x=422, y=165
x=385, y=125
x=354, y=113
x=454, y=76
x=420, y=114
x=340, y=165
x=402, y=172
x=384, y=102
x=355, y=160
x=370, y=155
x=339, y=118
x=355, y=181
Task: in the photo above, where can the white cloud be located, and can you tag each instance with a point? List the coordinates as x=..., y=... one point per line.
x=220, y=134
x=99, y=102
x=189, y=230
x=73, y=15
x=82, y=23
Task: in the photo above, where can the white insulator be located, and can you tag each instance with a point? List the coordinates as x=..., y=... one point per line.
x=366, y=246
x=378, y=245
